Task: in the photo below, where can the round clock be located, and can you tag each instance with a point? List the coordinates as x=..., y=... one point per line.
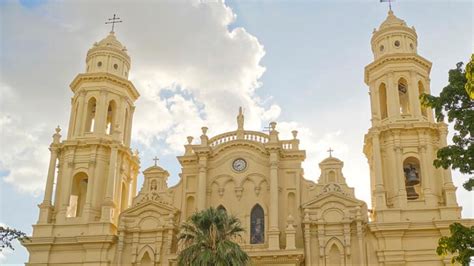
x=239, y=165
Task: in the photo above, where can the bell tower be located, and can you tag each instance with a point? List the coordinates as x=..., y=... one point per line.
x=404, y=138
x=97, y=172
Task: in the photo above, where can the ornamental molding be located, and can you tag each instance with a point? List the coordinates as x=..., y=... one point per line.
x=107, y=77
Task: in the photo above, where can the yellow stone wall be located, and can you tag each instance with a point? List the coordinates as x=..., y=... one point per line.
x=94, y=216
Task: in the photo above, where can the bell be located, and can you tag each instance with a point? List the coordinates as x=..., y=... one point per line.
x=411, y=193
x=411, y=176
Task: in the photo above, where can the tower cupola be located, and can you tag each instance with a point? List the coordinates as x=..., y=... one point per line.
x=110, y=56
x=393, y=37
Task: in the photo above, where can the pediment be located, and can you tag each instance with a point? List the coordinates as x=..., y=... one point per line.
x=253, y=145
x=151, y=207
x=330, y=197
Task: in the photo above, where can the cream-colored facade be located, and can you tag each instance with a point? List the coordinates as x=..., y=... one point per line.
x=94, y=216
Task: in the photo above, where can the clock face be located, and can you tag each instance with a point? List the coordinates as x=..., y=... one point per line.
x=239, y=165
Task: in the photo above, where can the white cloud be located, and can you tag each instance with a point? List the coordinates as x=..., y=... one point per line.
x=190, y=67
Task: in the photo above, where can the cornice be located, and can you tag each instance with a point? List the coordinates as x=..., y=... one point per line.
x=107, y=77
x=395, y=58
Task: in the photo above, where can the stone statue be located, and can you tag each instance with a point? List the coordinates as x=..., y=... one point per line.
x=240, y=120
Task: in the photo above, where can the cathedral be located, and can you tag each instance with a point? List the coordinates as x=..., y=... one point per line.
x=93, y=213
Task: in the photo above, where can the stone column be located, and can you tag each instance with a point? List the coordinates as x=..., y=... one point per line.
x=101, y=114
x=79, y=121
x=414, y=95
x=46, y=206
x=108, y=204
x=426, y=171
x=65, y=188
x=375, y=103
x=73, y=114
x=307, y=239
x=360, y=236
x=429, y=111
x=321, y=242
x=380, y=198
x=201, y=196
x=399, y=174
x=448, y=186
x=48, y=193
x=347, y=241
x=393, y=101
x=274, y=232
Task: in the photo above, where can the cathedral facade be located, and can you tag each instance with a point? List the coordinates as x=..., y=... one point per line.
x=95, y=216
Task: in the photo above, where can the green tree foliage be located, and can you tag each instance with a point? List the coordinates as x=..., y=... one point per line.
x=455, y=103
x=8, y=235
x=461, y=242
x=208, y=238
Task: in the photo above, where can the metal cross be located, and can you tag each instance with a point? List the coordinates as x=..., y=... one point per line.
x=389, y=3
x=156, y=160
x=113, y=20
x=330, y=152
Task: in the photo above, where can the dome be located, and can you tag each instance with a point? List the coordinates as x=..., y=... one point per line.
x=108, y=56
x=394, y=37
x=111, y=42
x=392, y=21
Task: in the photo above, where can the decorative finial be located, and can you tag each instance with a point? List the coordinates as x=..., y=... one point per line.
x=240, y=119
x=330, y=152
x=204, y=130
x=57, y=136
x=273, y=125
x=112, y=21
x=156, y=160
x=190, y=139
x=295, y=133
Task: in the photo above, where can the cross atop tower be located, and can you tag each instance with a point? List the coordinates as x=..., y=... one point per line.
x=156, y=160
x=112, y=21
x=330, y=151
x=389, y=3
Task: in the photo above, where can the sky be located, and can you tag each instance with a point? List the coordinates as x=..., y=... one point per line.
x=299, y=63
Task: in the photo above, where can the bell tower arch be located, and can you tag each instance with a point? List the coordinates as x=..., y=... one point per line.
x=402, y=142
x=97, y=172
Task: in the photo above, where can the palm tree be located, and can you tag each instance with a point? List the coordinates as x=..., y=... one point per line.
x=207, y=238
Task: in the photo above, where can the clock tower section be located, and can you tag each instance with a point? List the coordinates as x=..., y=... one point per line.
x=96, y=170
x=404, y=138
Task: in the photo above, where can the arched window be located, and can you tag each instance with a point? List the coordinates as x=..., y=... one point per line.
x=257, y=225
x=221, y=208
x=91, y=112
x=383, y=101
x=411, y=168
x=403, y=96
x=421, y=90
x=110, y=118
x=77, y=199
